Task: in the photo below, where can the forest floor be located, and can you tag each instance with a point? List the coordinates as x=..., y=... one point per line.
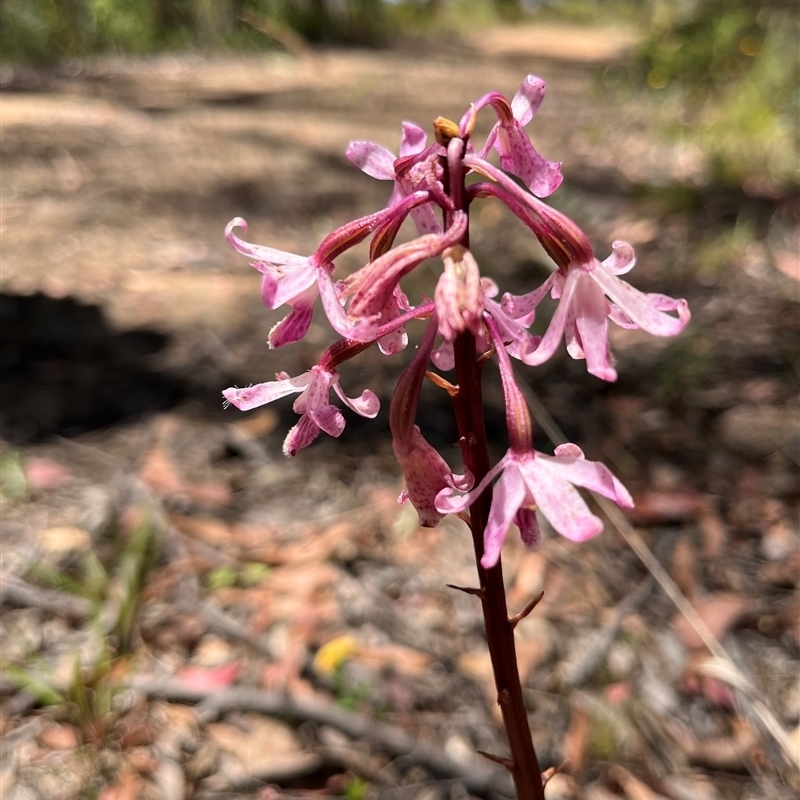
x=186, y=613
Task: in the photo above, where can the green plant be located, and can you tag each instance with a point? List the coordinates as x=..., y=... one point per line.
x=86, y=698
x=356, y=789
x=13, y=484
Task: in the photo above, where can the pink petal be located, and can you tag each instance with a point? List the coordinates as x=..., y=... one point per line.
x=424, y=217
x=619, y=318
x=300, y=436
x=292, y=284
x=508, y=495
x=569, y=450
x=555, y=330
x=412, y=140
x=295, y=324
x=208, y=679
x=443, y=357
x=256, y=251
x=360, y=330
x=560, y=502
x=527, y=100
x=528, y=525
x=397, y=340
x=367, y=404
x=589, y=474
x=517, y=339
x=329, y=419
x=393, y=342
x=648, y=311
x=591, y=321
x=519, y=157
x=520, y=306
x=448, y=503
x=622, y=258
x=317, y=404
x=263, y=393
x=371, y=158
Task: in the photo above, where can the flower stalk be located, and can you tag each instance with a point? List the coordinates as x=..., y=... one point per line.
x=468, y=404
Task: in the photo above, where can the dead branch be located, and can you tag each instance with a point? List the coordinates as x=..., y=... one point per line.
x=17, y=592
x=395, y=742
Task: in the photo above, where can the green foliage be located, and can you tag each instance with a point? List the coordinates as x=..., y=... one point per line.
x=36, y=687
x=13, y=483
x=716, y=254
x=734, y=65
x=86, y=697
x=356, y=789
x=708, y=43
x=350, y=694
x=45, y=31
x=251, y=573
x=221, y=577
x=594, y=12
x=89, y=579
x=752, y=129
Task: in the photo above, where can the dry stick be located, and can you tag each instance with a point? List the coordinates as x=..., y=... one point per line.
x=726, y=669
x=18, y=592
x=468, y=404
x=394, y=741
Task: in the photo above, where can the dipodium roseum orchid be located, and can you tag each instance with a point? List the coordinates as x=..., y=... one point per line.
x=379, y=163
x=529, y=479
x=313, y=405
x=466, y=326
x=517, y=155
x=581, y=283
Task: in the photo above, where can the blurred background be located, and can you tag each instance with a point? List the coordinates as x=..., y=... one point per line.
x=148, y=534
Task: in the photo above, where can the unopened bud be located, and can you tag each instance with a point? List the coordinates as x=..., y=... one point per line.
x=444, y=130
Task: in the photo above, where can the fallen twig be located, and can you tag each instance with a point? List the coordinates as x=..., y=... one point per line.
x=392, y=740
x=17, y=592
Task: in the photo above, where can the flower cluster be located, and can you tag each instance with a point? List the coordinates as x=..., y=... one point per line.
x=434, y=185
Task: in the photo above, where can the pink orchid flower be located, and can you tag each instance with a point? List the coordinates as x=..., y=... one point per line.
x=508, y=138
x=296, y=281
x=529, y=480
x=582, y=284
x=317, y=414
x=405, y=171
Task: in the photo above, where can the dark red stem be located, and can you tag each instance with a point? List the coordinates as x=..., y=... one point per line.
x=468, y=404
